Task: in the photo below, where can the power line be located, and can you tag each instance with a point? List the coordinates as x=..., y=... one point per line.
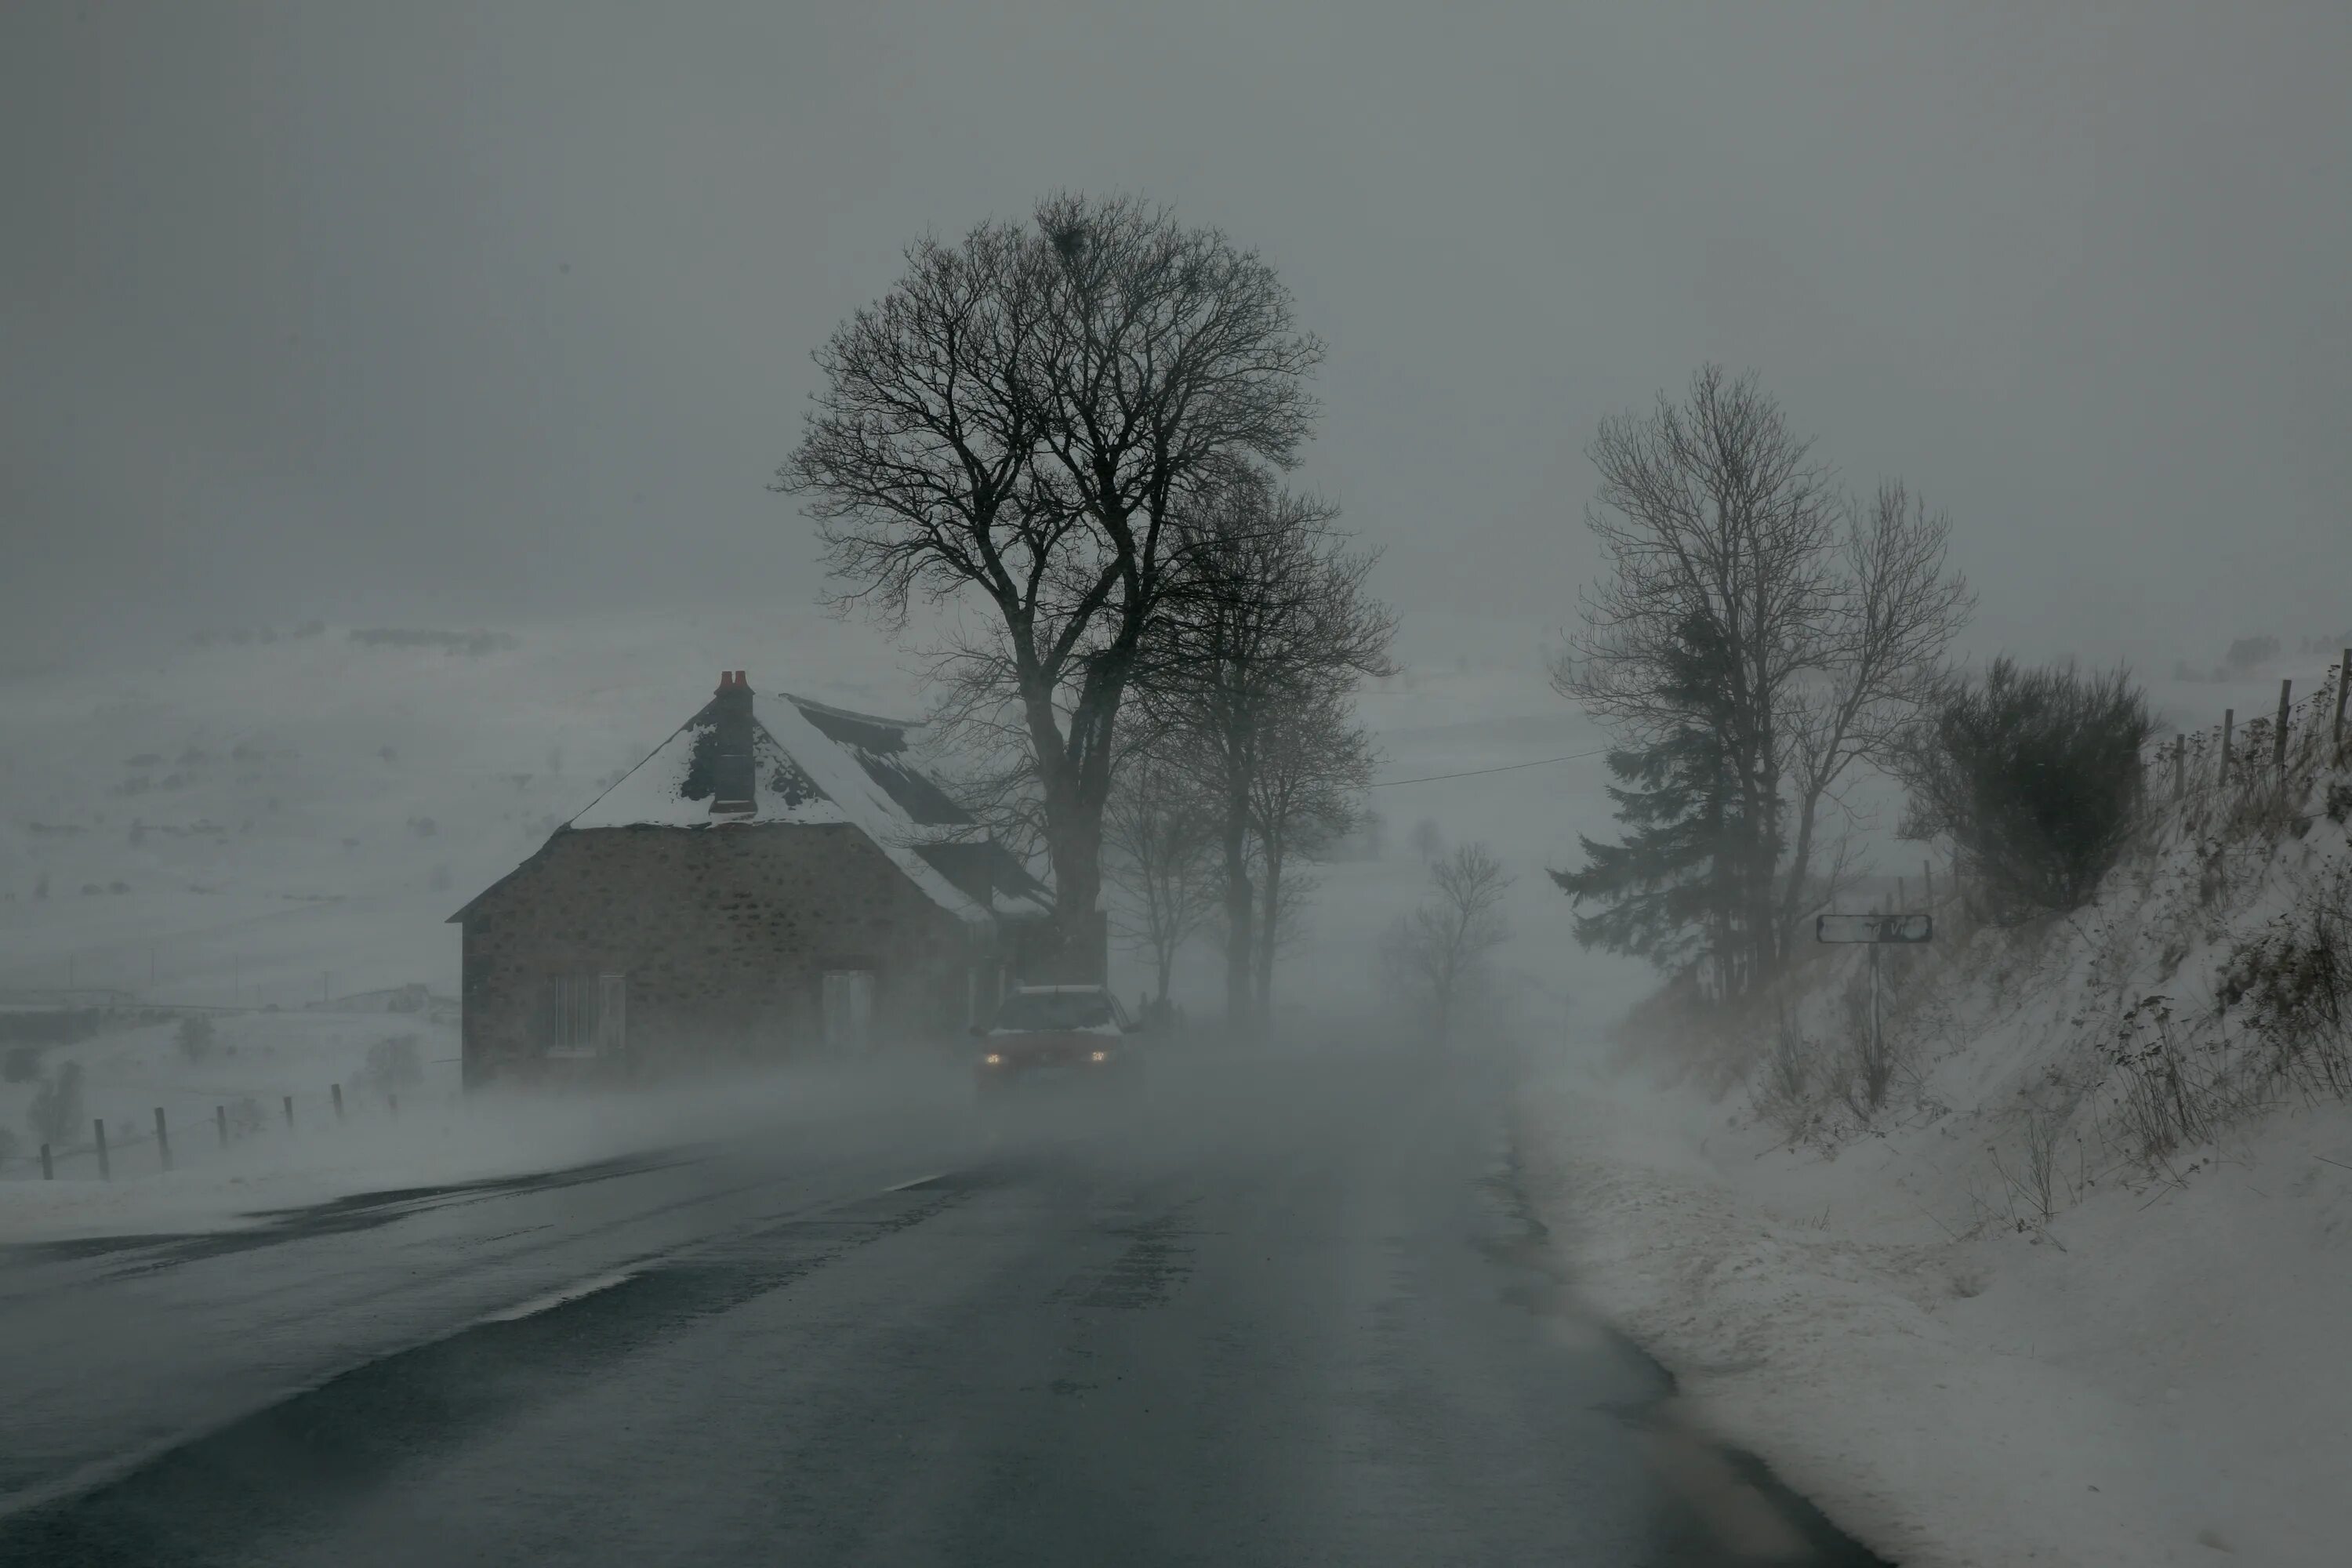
x=1506, y=768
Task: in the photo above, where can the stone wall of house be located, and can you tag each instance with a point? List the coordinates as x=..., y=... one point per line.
x=724, y=934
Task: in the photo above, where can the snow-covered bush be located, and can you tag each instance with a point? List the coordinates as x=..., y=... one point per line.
x=2035, y=776
x=2294, y=980
x=195, y=1036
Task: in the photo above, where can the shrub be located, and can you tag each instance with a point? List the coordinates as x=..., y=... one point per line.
x=2035, y=777
x=196, y=1038
x=55, y=1111
x=2295, y=981
x=2168, y=1098
x=21, y=1065
x=2251, y=653
x=1866, y=1067
x=1785, y=1099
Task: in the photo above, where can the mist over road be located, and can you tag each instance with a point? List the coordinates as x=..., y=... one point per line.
x=1283, y=1311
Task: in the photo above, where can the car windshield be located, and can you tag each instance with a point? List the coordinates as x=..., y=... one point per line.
x=1055, y=1010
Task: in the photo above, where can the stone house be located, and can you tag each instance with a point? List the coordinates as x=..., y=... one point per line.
x=777, y=880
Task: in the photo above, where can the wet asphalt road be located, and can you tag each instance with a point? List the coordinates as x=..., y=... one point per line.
x=1289, y=1314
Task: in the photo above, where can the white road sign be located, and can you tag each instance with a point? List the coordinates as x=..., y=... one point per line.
x=1873, y=928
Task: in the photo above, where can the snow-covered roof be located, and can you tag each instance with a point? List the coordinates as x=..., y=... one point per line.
x=813, y=763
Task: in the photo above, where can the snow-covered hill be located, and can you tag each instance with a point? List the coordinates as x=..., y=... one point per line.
x=2075, y=1292
x=250, y=822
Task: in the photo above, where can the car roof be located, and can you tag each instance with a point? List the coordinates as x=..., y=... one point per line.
x=1058, y=990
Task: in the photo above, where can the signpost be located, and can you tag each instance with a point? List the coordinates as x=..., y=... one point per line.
x=1877, y=931
x=1873, y=928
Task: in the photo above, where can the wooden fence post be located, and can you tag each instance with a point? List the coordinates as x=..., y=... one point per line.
x=289, y=1113
x=105, y=1170
x=48, y=1169
x=2343, y=685
x=2179, y=766
x=1927, y=879
x=2229, y=729
x=335, y=1093
x=163, y=1140
x=2278, y=741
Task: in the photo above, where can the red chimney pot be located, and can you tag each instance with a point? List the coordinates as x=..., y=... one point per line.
x=740, y=679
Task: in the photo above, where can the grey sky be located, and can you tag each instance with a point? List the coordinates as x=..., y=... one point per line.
x=470, y=313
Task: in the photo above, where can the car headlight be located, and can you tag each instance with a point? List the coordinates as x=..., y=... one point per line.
x=993, y=1060
x=1102, y=1056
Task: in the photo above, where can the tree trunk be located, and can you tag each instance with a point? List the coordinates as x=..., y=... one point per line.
x=1268, y=930
x=1075, y=790
x=1167, y=964
x=1074, y=847
x=1792, y=899
x=1240, y=906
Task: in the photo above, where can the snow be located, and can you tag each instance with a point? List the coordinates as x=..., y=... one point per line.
x=2156, y=1373
x=787, y=742
x=1954, y=1401
x=437, y=1139
x=2173, y=1379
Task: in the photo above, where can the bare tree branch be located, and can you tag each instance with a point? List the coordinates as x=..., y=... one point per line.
x=1825, y=622
x=1439, y=952
x=1025, y=415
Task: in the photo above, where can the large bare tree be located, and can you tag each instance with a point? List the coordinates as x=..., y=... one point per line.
x=1894, y=608
x=1719, y=524
x=1820, y=621
x=1022, y=420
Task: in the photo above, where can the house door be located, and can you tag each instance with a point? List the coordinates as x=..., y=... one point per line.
x=848, y=1011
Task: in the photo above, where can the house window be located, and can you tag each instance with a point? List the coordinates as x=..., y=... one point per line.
x=586, y=1015
x=849, y=998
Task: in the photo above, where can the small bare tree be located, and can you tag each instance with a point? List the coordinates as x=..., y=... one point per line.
x=1269, y=625
x=1158, y=837
x=1440, y=952
x=1314, y=764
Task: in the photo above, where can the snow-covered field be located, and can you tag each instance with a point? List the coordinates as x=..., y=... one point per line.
x=432, y=1138
x=295, y=818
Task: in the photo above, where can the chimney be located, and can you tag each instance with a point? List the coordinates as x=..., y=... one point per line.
x=735, y=795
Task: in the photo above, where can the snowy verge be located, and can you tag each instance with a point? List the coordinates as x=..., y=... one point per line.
x=486, y=1136
x=2157, y=1377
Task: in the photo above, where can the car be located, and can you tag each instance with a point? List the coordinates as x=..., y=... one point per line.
x=1076, y=1036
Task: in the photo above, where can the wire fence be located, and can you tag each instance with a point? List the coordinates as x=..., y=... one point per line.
x=2255, y=769
x=156, y=1141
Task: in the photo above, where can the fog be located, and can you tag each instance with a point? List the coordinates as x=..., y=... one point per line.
x=392, y=401
x=446, y=315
